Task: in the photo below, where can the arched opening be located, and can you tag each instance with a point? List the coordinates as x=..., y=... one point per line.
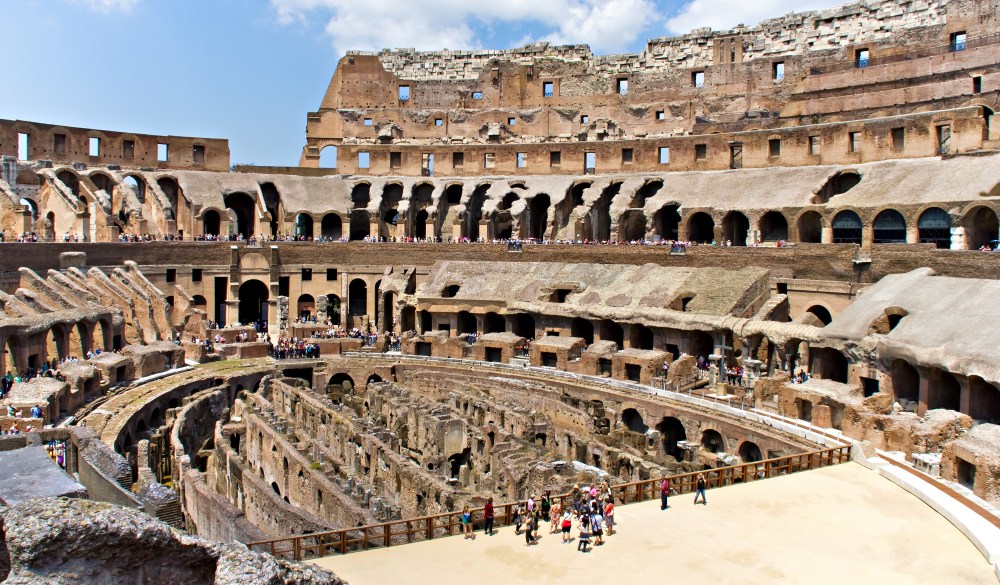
x=810, y=227
x=374, y=379
x=466, y=322
x=712, y=441
x=633, y=421
x=242, y=206
x=358, y=298
x=389, y=210
x=597, y=222
x=829, y=364
x=847, y=228
x=648, y=189
x=701, y=228
x=211, y=223
x=361, y=195
x=138, y=187
x=342, y=381
x=671, y=431
x=272, y=203
x=700, y=344
x=474, y=212
x=426, y=321
x=537, y=221
x=583, y=329
x=388, y=311
x=172, y=191
x=524, y=325
x=736, y=228
x=838, y=184
x=331, y=227
x=494, y=323
x=934, y=227
x=328, y=157
x=632, y=226
x=572, y=200
x=306, y=307
x=890, y=227
x=70, y=180
x=981, y=228
x=945, y=391
x=303, y=226
x=420, y=224
x=822, y=313
x=459, y=460
x=750, y=452
x=611, y=331
x=408, y=319
x=984, y=400
x=667, y=221
x=905, y=381
x=359, y=225
x=641, y=337
x=253, y=295
x=199, y=302
x=333, y=308
x=773, y=227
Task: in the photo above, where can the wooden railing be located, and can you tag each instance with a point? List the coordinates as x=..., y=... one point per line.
x=321, y=544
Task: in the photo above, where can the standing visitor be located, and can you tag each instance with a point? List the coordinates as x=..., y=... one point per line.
x=700, y=486
x=467, y=522
x=664, y=493
x=488, y=516
x=584, y=533
x=609, y=516
x=567, y=524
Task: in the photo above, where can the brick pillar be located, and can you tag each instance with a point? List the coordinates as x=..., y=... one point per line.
x=965, y=400
x=826, y=235
x=867, y=235
x=924, y=394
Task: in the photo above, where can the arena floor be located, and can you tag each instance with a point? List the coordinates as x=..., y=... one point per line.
x=843, y=524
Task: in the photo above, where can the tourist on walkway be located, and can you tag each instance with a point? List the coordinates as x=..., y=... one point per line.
x=567, y=524
x=467, y=522
x=584, y=533
x=664, y=493
x=597, y=526
x=700, y=489
x=555, y=515
x=609, y=515
x=529, y=527
x=488, y=516
x=518, y=518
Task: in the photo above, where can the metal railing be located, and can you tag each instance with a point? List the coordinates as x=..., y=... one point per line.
x=395, y=533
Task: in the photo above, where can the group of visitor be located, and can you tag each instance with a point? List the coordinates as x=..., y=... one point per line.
x=293, y=348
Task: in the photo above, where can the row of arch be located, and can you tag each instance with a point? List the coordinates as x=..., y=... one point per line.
x=672, y=431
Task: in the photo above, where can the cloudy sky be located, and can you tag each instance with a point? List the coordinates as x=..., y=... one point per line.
x=249, y=70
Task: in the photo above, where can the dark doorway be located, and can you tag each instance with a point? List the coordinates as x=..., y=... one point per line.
x=253, y=295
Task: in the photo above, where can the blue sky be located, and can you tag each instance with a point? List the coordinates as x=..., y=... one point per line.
x=250, y=70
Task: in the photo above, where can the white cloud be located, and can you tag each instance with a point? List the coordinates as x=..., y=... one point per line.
x=725, y=14
x=107, y=6
x=607, y=25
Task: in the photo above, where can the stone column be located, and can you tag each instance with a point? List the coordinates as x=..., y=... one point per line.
x=867, y=235
x=965, y=399
x=826, y=235
x=924, y=393
x=959, y=239
x=912, y=233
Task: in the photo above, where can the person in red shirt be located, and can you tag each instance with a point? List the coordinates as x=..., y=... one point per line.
x=488, y=516
x=664, y=493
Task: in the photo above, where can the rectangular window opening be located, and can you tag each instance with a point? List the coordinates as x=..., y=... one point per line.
x=477, y=95
x=438, y=122
x=59, y=143
x=898, y=139
x=814, y=145
x=977, y=84
x=522, y=160
x=944, y=139
x=854, y=141
x=584, y=119
x=427, y=164
x=511, y=121
x=171, y=275
x=196, y=275
x=862, y=58
x=661, y=115
x=331, y=274
x=307, y=274
x=622, y=86
x=548, y=88
x=458, y=159
x=369, y=122
x=404, y=93
x=627, y=155
x=778, y=71
x=94, y=146
x=664, y=155
x=958, y=41
x=489, y=160
x=198, y=154
x=736, y=155
x=364, y=160
x=774, y=147
x=589, y=162
x=22, y=146
x=284, y=285
x=698, y=79
x=162, y=152
x=555, y=158
x=128, y=149
x=700, y=151
x=395, y=160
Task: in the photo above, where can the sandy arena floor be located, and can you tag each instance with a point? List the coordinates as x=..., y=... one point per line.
x=843, y=524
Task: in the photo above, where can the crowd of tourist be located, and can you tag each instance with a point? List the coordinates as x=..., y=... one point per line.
x=292, y=348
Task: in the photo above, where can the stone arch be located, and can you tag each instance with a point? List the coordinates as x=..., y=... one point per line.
x=243, y=206
x=981, y=227
x=328, y=157
x=641, y=337
x=524, y=325
x=535, y=225
x=357, y=296
x=847, y=228
x=474, y=211
x=838, y=184
x=773, y=227
x=934, y=227
x=333, y=308
x=253, y=297
x=667, y=221
x=172, y=191
x=750, y=452
x=331, y=226
x=494, y=323
x=343, y=380
x=572, y=200
x=735, y=228
x=822, y=313
x=305, y=307
x=632, y=226
x=809, y=227
x=905, y=381
x=644, y=193
x=700, y=227
x=361, y=195
x=466, y=322
x=829, y=364
x=712, y=441
x=945, y=392
x=211, y=222
x=597, y=221
x=632, y=420
x=889, y=227
x=671, y=432
x=611, y=331
x=303, y=226
x=583, y=329
x=360, y=221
